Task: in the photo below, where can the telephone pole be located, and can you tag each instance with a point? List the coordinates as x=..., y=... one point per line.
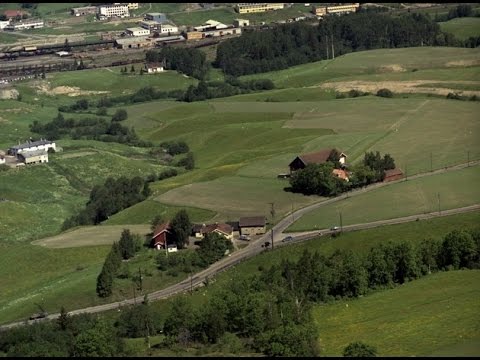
x=341, y=222
x=439, y=211
x=140, y=279
x=272, y=212
x=333, y=49
x=326, y=45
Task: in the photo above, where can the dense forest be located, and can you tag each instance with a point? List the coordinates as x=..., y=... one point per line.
x=269, y=312
x=298, y=43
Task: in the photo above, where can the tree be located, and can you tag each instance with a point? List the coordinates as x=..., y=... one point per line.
x=99, y=341
x=157, y=220
x=66, y=46
x=385, y=93
x=63, y=320
x=136, y=321
x=104, y=283
x=132, y=69
x=213, y=247
x=181, y=228
x=458, y=250
x=120, y=115
x=126, y=245
x=428, y=254
x=359, y=349
x=181, y=321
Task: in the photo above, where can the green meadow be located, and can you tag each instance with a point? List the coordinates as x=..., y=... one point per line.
x=456, y=189
x=462, y=28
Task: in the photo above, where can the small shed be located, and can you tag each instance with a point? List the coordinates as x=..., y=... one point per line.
x=393, y=174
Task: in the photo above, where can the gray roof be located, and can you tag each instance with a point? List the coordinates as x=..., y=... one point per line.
x=31, y=144
x=29, y=154
x=252, y=221
x=132, y=40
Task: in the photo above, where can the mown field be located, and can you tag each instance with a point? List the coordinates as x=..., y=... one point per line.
x=462, y=28
x=418, y=196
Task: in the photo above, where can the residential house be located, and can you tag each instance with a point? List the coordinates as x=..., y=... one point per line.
x=161, y=236
x=235, y=227
x=393, y=174
x=341, y=174
x=220, y=228
x=42, y=144
x=33, y=157
x=319, y=157
x=252, y=225
x=154, y=68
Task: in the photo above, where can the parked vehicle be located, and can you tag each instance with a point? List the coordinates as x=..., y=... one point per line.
x=288, y=238
x=244, y=237
x=334, y=228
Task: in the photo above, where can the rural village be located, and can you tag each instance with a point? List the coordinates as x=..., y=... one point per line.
x=239, y=179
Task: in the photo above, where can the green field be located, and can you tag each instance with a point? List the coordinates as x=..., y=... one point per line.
x=462, y=28
x=426, y=316
x=111, y=80
x=456, y=189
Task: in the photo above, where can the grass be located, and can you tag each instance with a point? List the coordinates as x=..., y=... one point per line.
x=110, y=79
x=462, y=28
x=196, y=18
x=425, y=316
x=396, y=200
x=6, y=38
x=369, y=63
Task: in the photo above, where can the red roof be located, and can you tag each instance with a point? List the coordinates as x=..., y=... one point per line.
x=342, y=174
x=393, y=172
x=13, y=13
x=225, y=228
x=160, y=229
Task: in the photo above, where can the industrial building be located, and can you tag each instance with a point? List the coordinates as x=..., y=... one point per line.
x=32, y=146
x=167, y=29
x=114, y=10
x=150, y=25
x=82, y=11
x=241, y=22
x=158, y=17
x=23, y=25
x=137, y=31
x=33, y=157
x=335, y=9
x=210, y=25
x=247, y=8
x=134, y=42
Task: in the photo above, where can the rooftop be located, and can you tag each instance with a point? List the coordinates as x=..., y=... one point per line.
x=29, y=144
x=29, y=154
x=132, y=40
x=250, y=221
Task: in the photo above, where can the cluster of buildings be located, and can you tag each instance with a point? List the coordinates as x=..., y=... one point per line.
x=15, y=21
x=32, y=152
x=321, y=157
x=106, y=11
x=212, y=28
x=244, y=228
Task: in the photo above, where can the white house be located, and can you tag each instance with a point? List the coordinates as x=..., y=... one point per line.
x=154, y=68
x=2, y=159
x=172, y=248
x=168, y=29
x=42, y=144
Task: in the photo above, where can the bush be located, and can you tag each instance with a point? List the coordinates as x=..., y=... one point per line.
x=385, y=93
x=359, y=349
x=340, y=95
x=4, y=167
x=120, y=115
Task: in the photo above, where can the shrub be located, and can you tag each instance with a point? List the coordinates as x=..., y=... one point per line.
x=385, y=93
x=359, y=349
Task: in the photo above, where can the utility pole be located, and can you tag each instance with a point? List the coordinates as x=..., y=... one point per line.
x=272, y=212
x=140, y=278
x=406, y=176
x=439, y=211
x=333, y=49
x=326, y=45
x=341, y=222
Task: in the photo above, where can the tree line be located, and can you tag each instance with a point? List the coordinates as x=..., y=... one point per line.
x=89, y=128
x=189, y=61
x=108, y=199
x=298, y=43
x=318, y=179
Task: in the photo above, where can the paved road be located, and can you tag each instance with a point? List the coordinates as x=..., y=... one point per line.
x=256, y=247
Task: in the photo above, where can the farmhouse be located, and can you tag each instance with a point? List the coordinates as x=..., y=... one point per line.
x=320, y=157
x=246, y=8
x=161, y=236
x=220, y=228
x=341, y=174
x=32, y=146
x=137, y=31
x=253, y=225
x=33, y=157
x=154, y=68
x=393, y=174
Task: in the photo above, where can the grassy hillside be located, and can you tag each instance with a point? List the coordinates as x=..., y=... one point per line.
x=401, y=199
x=427, y=316
x=462, y=28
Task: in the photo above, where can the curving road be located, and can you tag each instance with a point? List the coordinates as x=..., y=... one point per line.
x=257, y=246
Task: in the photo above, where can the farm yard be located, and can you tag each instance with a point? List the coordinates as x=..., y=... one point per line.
x=240, y=145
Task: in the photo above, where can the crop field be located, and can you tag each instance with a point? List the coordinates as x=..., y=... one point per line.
x=422, y=317
x=462, y=28
x=456, y=189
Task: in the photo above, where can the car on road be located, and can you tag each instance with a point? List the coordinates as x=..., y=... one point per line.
x=244, y=237
x=334, y=228
x=288, y=238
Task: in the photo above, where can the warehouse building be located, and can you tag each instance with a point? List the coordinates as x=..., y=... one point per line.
x=137, y=31
x=247, y=8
